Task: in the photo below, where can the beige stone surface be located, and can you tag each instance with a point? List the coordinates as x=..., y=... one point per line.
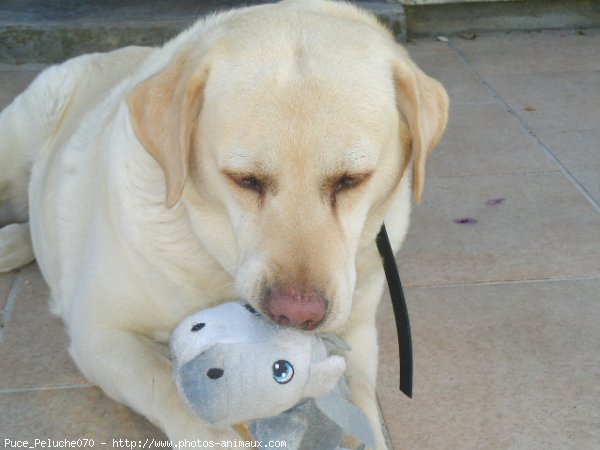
x=579, y=152
x=73, y=413
x=504, y=311
x=34, y=344
x=427, y=45
x=531, y=52
x=541, y=228
x=12, y=82
x=462, y=84
x=502, y=363
x=469, y=147
x=573, y=104
x=5, y=284
x=497, y=366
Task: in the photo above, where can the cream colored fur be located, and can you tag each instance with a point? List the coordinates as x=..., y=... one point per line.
x=264, y=145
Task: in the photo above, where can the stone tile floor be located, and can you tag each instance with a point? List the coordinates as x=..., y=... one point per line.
x=505, y=308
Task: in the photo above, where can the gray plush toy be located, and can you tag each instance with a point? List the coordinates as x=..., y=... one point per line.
x=233, y=366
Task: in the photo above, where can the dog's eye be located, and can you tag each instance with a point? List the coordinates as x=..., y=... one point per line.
x=283, y=371
x=346, y=182
x=349, y=181
x=251, y=183
x=248, y=182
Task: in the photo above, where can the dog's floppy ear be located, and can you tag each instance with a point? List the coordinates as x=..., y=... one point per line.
x=164, y=110
x=423, y=102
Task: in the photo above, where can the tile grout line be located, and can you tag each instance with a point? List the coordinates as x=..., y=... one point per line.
x=60, y=387
x=10, y=303
x=505, y=282
x=549, y=153
x=384, y=428
x=506, y=174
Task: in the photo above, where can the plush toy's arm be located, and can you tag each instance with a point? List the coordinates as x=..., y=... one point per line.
x=285, y=426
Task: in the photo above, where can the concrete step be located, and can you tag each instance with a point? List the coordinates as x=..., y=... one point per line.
x=447, y=17
x=49, y=32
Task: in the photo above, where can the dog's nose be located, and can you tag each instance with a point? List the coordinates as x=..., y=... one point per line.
x=297, y=307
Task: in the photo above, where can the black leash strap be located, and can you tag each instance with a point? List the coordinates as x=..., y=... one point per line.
x=400, y=311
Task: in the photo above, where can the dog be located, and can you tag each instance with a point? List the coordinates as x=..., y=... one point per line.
x=253, y=156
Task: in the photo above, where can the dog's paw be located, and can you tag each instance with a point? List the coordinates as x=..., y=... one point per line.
x=15, y=246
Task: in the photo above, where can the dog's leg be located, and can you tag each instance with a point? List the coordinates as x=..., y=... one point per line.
x=15, y=246
x=131, y=371
x=362, y=380
x=25, y=126
x=361, y=336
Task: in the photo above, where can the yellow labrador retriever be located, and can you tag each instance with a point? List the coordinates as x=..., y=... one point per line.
x=255, y=155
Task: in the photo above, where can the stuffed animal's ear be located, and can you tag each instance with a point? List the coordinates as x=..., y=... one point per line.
x=347, y=416
x=423, y=102
x=331, y=340
x=164, y=111
x=324, y=375
x=192, y=337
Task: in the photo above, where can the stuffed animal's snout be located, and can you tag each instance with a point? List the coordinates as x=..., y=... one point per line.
x=296, y=306
x=231, y=364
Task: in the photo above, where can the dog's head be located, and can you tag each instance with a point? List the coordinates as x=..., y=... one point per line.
x=289, y=134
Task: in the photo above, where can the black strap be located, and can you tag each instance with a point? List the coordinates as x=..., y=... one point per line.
x=400, y=311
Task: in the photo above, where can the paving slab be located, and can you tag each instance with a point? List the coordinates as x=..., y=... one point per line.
x=428, y=45
x=497, y=366
x=550, y=79
x=499, y=228
x=5, y=284
x=579, y=152
x=552, y=101
x=462, y=84
x=34, y=343
x=471, y=147
x=555, y=51
x=72, y=414
x=13, y=83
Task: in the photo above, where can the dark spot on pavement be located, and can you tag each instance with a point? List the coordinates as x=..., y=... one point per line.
x=465, y=221
x=494, y=201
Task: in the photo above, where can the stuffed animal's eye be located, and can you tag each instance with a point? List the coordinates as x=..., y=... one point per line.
x=215, y=373
x=283, y=371
x=251, y=309
x=198, y=326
